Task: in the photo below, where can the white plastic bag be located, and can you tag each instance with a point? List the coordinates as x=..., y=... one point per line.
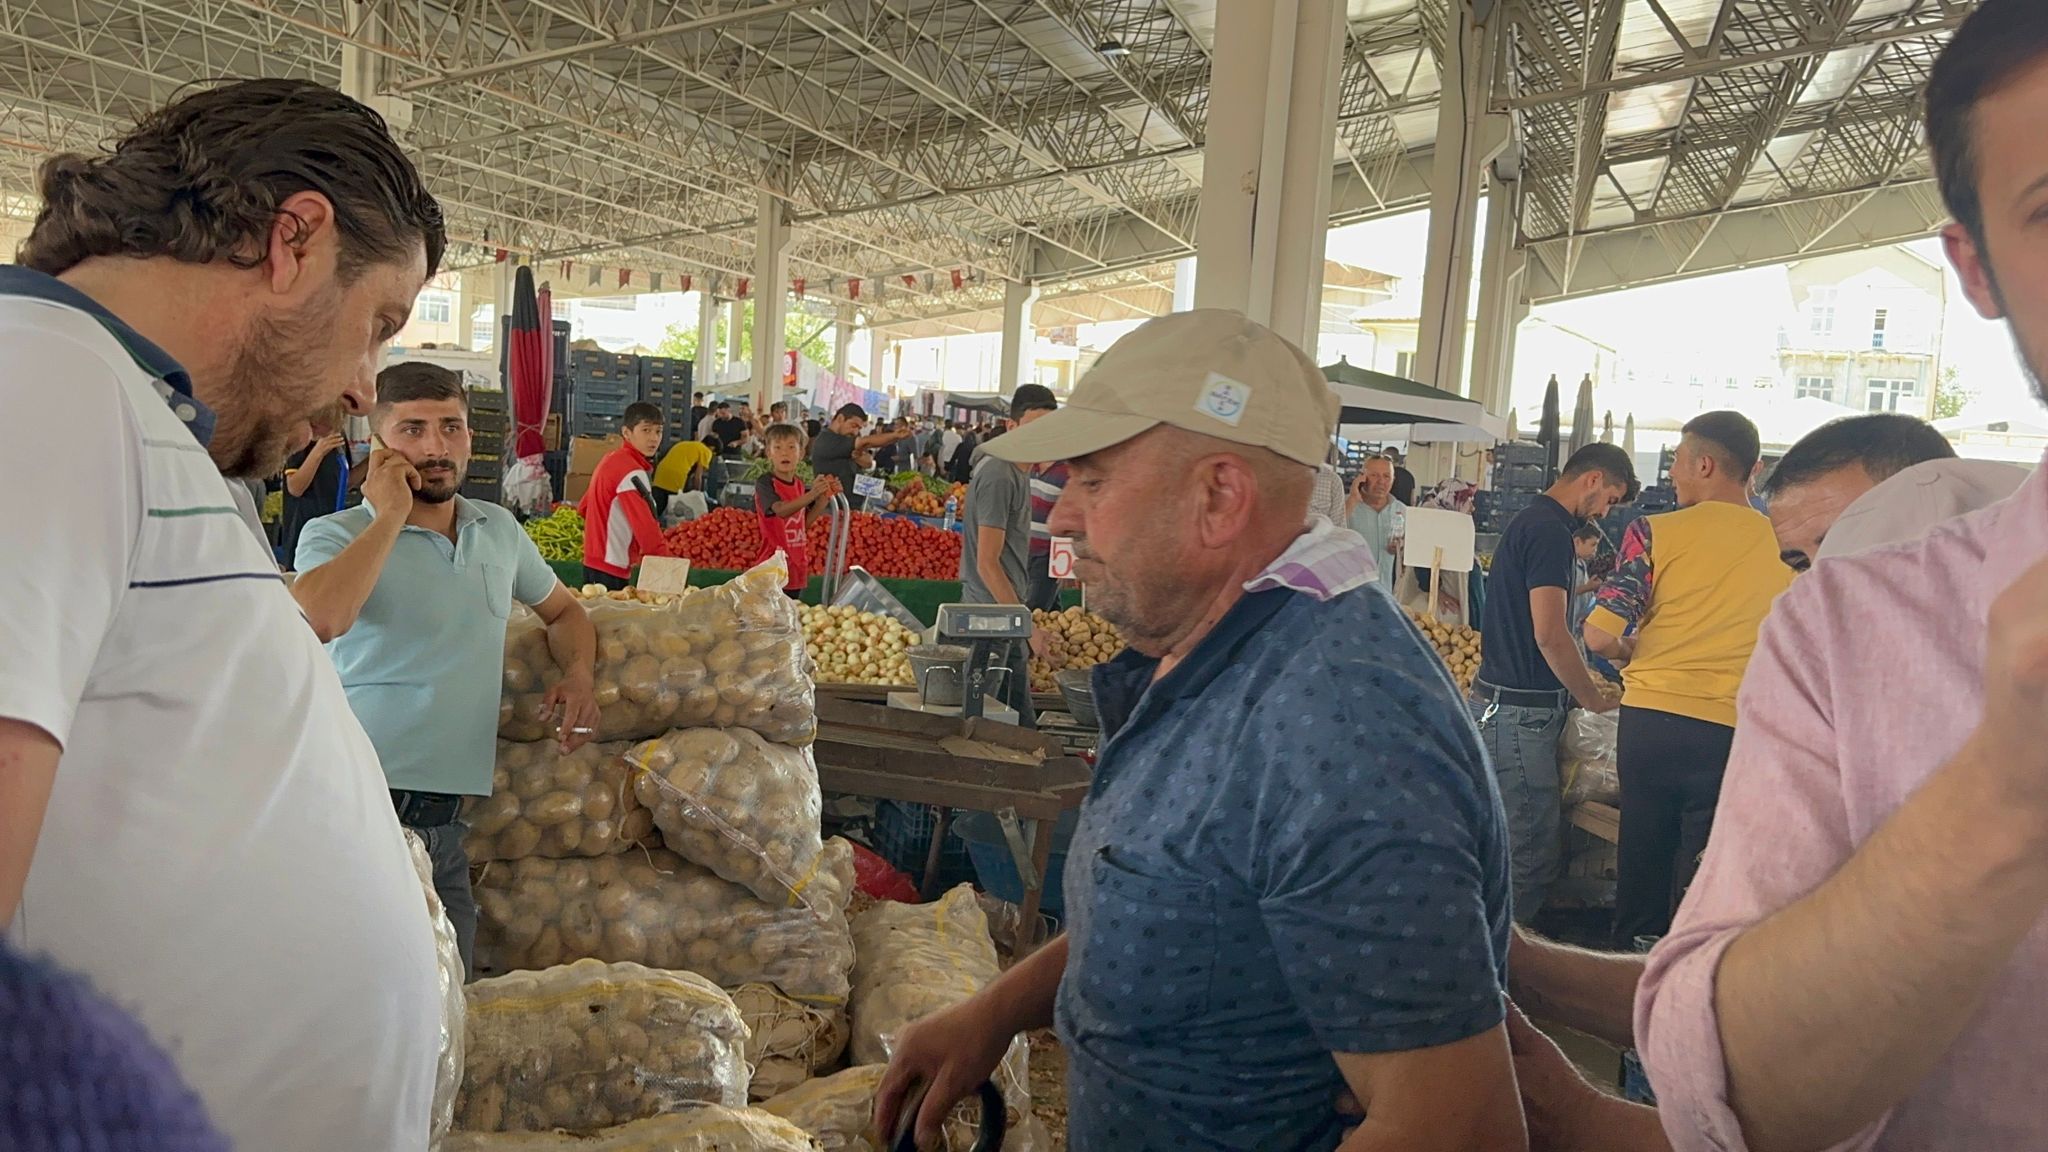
x=1586, y=756
x=454, y=1005
x=527, y=489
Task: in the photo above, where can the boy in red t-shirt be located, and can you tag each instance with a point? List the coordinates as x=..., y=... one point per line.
x=783, y=504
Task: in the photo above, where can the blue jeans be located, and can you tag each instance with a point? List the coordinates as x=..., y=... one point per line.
x=1522, y=743
x=451, y=882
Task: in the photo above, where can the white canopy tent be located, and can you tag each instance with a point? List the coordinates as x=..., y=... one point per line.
x=1382, y=407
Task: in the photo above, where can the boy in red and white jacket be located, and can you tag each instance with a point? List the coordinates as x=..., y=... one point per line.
x=618, y=510
x=784, y=504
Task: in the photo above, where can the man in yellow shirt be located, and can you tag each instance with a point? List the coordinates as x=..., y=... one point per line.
x=1682, y=611
x=681, y=470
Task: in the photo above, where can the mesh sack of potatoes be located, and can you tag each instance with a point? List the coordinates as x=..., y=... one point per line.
x=737, y=804
x=698, y=1128
x=838, y=1111
x=916, y=959
x=725, y=657
x=449, y=978
x=788, y=1041
x=588, y=1045
x=654, y=908
x=547, y=803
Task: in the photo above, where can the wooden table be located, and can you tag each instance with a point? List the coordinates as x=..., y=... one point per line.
x=1602, y=820
x=917, y=758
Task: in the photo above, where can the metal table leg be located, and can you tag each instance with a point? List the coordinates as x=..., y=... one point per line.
x=942, y=818
x=1031, y=933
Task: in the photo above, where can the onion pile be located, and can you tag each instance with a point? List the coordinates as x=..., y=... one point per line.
x=853, y=647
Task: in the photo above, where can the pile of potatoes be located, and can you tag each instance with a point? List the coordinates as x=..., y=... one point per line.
x=1458, y=645
x=1080, y=639
x=724, y=657
x=704, y=1128
x=916, y=959
x=449, y=977
x=546, y=803
x=788, y=1042
x=737, y=804
x=837, y=1110
x=589, y=1045
x=654, y=908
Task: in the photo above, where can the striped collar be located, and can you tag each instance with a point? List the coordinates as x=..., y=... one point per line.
x=1324, y=562
x=173, y=383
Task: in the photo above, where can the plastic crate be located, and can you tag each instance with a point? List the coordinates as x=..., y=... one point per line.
x=488, y=400
x=997, y=872
x=602, y=365
x=1514, y=477
x=483, y=489
x=594, y=424
x=494, y=423
x=1519, y=452
x=586, y=405
x=486, y=443
x=903, y=837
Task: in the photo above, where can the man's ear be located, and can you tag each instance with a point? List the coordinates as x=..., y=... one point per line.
x=303, y=228
x=1973, y=268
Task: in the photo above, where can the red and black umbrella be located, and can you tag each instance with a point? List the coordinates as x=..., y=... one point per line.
x=531, y=363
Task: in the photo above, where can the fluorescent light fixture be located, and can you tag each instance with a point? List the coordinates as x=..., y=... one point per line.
x=1114, y=49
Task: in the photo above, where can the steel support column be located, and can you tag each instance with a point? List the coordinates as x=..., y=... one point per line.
x=842, y=336
x=1468, y=140
x=1503, y=303
x=1018, y=337
x=1265, y=204
x=705, y=372
x=1184, y=284
x=877, y=356
x=771, y=299
x=735, y=324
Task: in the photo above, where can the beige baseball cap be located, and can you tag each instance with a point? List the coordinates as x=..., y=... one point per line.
x=1210, y=371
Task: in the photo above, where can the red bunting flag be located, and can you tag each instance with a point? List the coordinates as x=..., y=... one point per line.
x=799, y=287
x=687, y=280
x=910, y=281
x=502, y=254
x=743, y=286
x=625, y=277
x=853, y=289
x=957, y=279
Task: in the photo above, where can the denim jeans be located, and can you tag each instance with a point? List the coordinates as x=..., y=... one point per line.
x=451, y=882
x=1522, y=743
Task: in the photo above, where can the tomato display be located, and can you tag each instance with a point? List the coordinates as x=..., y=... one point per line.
x=730, y=539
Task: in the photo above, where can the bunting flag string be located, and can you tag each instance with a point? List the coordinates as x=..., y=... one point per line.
x=744, y=283
x=853, y=289
x=799, y=284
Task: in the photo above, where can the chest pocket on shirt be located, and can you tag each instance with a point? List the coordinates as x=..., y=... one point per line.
x=498, y=589
x=1151, y=945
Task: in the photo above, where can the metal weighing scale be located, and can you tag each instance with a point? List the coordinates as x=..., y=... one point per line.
x=982, y=629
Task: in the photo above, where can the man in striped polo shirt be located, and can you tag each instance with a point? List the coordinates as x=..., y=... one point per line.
x=190, y=815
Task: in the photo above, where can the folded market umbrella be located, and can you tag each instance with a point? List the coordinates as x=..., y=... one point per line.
x=529, y=364
x=1628, y=438
x=1514, y=433
x=1607, y=428
x=1547, y=432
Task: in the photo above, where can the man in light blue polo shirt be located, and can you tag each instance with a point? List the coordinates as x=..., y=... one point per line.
x=410, y=592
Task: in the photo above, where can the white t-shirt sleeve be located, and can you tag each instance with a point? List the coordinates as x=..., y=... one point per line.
x=72, y=452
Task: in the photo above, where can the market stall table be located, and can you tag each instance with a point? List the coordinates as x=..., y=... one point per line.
x=1019, y=776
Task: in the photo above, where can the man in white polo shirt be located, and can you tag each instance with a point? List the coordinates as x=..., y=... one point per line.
x=190, y=815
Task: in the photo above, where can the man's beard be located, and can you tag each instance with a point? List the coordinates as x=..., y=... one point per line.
x=439, y=491
x=266, y=396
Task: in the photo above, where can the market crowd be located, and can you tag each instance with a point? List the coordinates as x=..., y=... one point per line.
x=1300, y=888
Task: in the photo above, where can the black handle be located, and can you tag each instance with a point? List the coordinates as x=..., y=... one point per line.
x=995, y=1122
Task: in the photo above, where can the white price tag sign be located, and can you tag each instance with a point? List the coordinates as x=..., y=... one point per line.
x=872, y=487
x=668, y=574
x=1060, y=562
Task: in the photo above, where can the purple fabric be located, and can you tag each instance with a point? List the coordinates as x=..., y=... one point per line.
x=1324, y=562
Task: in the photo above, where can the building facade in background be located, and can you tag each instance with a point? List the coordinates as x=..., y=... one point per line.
x=1867, y=333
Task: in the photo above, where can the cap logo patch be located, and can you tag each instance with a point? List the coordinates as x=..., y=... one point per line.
x=1223, y=399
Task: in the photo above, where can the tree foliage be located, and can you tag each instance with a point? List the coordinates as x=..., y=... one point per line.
x=1950, y=397
x=810, y=335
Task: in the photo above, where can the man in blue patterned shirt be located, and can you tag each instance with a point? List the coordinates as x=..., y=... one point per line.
x=1289, y=880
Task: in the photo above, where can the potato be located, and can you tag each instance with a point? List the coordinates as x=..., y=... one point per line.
x=676, y=664
x=554, y=1043
x=656, y=909
x=543, y=802
x=704, y=1128
x=737, y=804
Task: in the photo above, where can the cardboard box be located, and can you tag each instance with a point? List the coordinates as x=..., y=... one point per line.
x=551, y=433
x=585, y=452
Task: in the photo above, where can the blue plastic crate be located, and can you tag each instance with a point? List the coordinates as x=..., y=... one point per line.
x=587, y=361
x=903, y=837
x=592, y=424
x=599, y=405
x=997, y=872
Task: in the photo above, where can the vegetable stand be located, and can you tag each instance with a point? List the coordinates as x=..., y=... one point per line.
x=1019, y=776
x=922, y=597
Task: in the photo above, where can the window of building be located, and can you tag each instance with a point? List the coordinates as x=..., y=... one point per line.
x=483, y=328
x=1404, y=365
x=1818, y=387
x=1891, y=395
x=1879, y=320
x=434, y=308
x=1820, y=311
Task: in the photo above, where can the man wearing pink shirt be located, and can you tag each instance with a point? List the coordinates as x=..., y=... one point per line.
x=1862, y=962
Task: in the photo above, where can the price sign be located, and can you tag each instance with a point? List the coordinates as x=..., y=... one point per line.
x=1060, y=562
x=670, y=574
x=871, y=487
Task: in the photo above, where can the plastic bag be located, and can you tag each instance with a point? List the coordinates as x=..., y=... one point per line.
x=916, y=959
x=725, y=657
x=789, y=1042
x=588, y=1045
x=880, y=879
x=701, y=1128
x=454, y=1005
x=838, y=1110
x=527, y=489
x=1586, y=756
x=656, y=909
x=543, y=803
x=742, y=807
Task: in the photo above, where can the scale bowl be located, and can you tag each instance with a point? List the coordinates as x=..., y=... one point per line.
x=1077, y=687
x=940, y=671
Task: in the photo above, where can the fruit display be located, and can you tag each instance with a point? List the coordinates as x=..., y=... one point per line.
x=918, y=500
x=787, y=1042
x=1457, y=644
x=726, y=539
x=559, y=534
x=547, y=803
x=273, y=507
x=760, y=466
x=703, y=1128
x=849, y=646
x=724, y=657
x=836, y=1110
x=916, y=959
x=657, y=909
x=738, y=805
x=448, y=982
x=1080, y=639
x=589, y=1045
